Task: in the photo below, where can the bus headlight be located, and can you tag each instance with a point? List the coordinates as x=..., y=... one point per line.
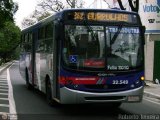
x=142, y=78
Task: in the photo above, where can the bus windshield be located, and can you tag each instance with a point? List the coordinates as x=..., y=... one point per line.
x=124, y=51
x=102, y=47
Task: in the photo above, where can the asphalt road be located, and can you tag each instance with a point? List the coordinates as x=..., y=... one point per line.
x=31, y=105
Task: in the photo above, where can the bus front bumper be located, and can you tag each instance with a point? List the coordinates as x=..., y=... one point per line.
x=69, y=96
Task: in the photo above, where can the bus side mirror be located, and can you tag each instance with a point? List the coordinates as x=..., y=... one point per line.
x=58, y=29
x=143, y=29
x=143, y=34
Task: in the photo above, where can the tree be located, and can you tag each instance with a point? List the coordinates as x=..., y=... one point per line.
x=7, y=10
x=9, y=33
x=47, y=7
x=34, y=18
x=121, y=5
x=134, y=4
x=50, y=5
x=28, y=22
x=38, y=15
x=58, y=5
x=9, y=39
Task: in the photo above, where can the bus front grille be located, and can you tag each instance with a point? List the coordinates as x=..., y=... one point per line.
x=104, y=98
x=105, y=87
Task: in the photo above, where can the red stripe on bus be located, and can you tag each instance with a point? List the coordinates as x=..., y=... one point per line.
x=78, y=80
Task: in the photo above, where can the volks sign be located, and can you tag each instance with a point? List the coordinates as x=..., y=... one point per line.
x=150, y=14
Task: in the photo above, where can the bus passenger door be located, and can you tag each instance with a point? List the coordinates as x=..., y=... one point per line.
x=33, y=57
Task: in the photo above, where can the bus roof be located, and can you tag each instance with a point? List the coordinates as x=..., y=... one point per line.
x=59, y=15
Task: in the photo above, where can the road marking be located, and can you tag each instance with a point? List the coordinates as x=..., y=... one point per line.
x=4, y=105
x=3, y=77
x=4, y=90
x=3, y=80
x=12, y=109
x=3, y=93
x=4, y=113
x=6, y=87
x=151, y=101
x=3, y=98
x=151, y=94
x=4, y=84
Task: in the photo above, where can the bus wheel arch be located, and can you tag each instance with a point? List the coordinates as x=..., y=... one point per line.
x=49, y=98
x=28, y=85
x=48, y=90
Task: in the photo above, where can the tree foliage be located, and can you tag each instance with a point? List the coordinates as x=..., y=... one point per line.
x=9, y=33
x=28, y=22
x=7, y=10
x=50, y=5
x=47, y=7
x=9, y=39
x=33, y=18
x=134, y=4
x=58, y=5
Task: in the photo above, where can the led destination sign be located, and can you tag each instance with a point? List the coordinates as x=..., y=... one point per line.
x=107, y=17
x=102, y=16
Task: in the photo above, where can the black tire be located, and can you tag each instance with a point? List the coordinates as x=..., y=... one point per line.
x=49, y=99
x=116, y=104
x=28, y=85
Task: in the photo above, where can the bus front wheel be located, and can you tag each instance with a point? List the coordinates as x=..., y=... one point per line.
x=50, y=101
x=116, y=104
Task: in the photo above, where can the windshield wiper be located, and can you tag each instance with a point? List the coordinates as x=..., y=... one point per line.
x=89, y=28
x=118, y=31
x=116, y=34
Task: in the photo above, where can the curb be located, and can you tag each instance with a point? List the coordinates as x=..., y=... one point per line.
x=4, y=66
x=149, y=94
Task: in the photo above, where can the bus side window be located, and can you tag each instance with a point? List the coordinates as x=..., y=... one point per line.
x=49, y=31
x=26, y=42
x=22, y=43
x=49, y=37
x=41, y=38
x=41, y=33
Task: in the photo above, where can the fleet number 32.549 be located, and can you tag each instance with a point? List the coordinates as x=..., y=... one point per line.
x=120, y=82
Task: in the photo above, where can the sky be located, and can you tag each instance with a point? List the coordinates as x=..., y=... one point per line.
x=26, y=7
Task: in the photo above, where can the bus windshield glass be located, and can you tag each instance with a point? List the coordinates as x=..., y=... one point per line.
x=102, y=47
x=124, y=51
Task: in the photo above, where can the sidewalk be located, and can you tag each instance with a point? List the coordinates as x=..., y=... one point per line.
x=5, y=65
x=150, y=90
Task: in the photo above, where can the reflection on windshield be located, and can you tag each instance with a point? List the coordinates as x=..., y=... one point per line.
x=84, y=46
x=124, y=51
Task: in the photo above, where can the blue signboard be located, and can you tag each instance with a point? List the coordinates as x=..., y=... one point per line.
x=73, y=58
